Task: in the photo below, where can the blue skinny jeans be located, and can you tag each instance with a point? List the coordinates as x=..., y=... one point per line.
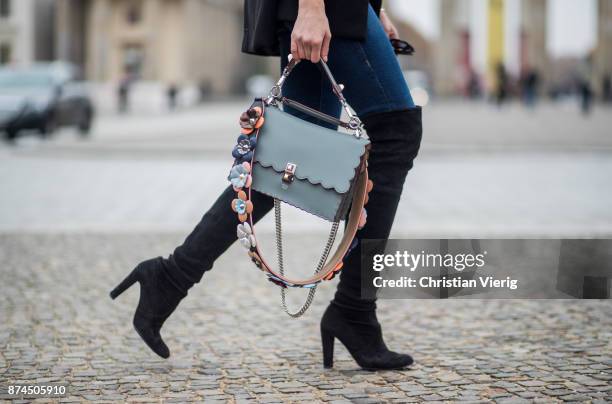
x=369, y=70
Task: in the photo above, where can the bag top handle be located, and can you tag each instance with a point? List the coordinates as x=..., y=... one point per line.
x=275, y=95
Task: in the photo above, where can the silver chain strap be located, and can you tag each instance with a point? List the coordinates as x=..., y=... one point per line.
x=279, y=250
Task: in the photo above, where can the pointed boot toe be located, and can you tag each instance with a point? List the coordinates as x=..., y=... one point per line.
x=150, y=334
x=392, y=361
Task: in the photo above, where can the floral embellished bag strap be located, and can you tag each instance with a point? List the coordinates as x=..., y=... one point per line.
x=240, y=177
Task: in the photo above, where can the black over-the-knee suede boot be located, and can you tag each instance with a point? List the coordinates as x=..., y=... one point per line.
x=165, y=282
x=395, y=137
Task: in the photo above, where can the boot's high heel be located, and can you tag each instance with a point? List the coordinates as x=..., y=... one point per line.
x=124, y=285
x=158, y=299
x=327, y=339
x=360, y=333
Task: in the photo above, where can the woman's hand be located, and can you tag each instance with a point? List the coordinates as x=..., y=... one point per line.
x=388, y=25
x=311, y=35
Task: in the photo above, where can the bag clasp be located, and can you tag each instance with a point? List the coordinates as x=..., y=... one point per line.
x=288, y=175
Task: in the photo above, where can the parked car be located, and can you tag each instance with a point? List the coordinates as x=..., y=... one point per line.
x=43, y=97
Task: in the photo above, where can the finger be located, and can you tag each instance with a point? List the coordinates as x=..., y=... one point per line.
x=294, y=49
x=300, y=49
x=304, y=50
x=325, y=47
x=315, y=52
x=393, y=34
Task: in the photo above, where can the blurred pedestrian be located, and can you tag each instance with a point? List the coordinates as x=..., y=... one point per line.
x=123, y=93
x=585, y=90
x=606, y=89
x=172, y=94
x=586, y=96
x=530, y=86
x=501, y=92
x=361, y=58
x=473, y=89
x=204, y=90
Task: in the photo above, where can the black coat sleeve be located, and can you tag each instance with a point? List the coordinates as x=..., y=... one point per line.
x=376, y=5
x=347, y=19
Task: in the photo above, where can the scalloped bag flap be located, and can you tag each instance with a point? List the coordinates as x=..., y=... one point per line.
x=322, y=156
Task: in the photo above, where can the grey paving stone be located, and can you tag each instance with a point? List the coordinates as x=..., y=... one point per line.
x=431, y=397
x=532, y=383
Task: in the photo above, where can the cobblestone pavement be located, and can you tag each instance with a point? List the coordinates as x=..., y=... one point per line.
x=230, y=342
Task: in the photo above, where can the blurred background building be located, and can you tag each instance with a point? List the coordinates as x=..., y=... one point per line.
x=172, y=41
x=464, y=47
x=26, y=31
x=469, y=39
x=603, y=51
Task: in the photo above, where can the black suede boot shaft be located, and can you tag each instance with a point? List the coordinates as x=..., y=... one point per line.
x=396, y=138
x=215, y=233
